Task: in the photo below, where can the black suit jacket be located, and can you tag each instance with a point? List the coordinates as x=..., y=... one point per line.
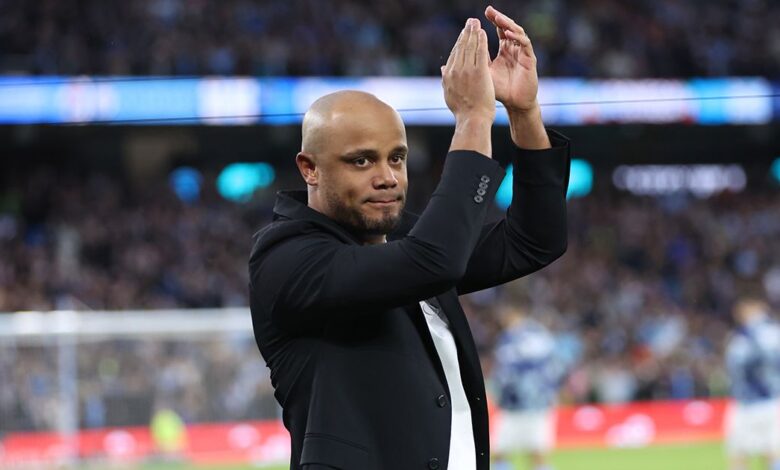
x=339, y=325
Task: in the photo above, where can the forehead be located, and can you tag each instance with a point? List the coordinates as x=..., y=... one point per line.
x=380, y=129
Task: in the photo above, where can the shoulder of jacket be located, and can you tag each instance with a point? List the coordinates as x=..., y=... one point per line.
x=281, y=231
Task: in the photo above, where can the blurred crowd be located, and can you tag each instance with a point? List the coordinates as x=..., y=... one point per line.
x=125, y=382
x=645, y=290
x=591, y=38
x=641, y=298
x=94, y=243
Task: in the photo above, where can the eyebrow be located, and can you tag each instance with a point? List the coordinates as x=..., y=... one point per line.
x=371, y=153
x=364, y=153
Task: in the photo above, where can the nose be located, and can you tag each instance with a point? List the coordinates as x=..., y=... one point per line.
x=384, y=178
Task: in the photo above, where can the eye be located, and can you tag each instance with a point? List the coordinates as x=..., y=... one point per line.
x=360, y=162
x=398, y=158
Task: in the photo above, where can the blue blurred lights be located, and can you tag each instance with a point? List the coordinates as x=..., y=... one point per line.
x=580, y=183
x=776, y=169
x=580, y=178
x=238, y=181
x=185, y=182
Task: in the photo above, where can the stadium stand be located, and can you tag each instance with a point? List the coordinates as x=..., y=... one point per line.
x=594, y=38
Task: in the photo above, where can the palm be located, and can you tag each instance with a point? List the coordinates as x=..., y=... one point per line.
x=514, y=76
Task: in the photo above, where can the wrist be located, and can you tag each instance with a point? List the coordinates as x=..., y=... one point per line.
x=527, y=128
x=531, y=111
x=474, y=120
x=473, y=133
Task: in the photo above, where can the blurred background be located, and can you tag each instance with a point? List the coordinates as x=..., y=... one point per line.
x=142, y=143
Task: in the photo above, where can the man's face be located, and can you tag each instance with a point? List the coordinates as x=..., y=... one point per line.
x=362, y=171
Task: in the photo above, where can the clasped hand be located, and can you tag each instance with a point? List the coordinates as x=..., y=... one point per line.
x=472, y=82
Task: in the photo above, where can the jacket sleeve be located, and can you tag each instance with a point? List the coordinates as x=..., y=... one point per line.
x=533, y=232
x=303, y=278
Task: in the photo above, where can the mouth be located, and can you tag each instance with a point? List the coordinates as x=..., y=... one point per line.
x=383, y=202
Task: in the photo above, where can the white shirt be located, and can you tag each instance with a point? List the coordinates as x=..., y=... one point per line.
x=463, y=454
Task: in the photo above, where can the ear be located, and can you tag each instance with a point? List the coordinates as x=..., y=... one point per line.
x=308, y=168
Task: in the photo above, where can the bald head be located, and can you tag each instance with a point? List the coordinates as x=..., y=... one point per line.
x=338, y=109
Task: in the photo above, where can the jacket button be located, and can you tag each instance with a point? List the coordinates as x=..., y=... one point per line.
x=478, y=199
x=481, y=192
x=441, y=400
x=485, y=179
x=433, y=464
x=483, y=185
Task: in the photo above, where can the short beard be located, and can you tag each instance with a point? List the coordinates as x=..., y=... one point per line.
x=356, y=222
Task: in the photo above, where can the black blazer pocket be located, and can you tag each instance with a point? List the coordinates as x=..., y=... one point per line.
x=335, y=451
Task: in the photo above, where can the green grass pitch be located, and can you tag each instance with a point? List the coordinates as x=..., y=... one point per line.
x=668, y=457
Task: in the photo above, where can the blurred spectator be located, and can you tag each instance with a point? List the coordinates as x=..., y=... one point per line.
x=752, y=424
x=593, y=38
x=530, y=366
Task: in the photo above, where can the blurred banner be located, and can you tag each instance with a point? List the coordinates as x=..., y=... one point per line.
x=627, y=425
x=641, y=424
x=255, y=442
x=241, y=101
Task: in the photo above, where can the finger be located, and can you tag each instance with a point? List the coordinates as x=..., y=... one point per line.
x=516, y=38
x=470, y=51
x=454, y=51
x=490, y=14
x=506, y=23
x=460, y=46
x=483, y=55
x=523, y=41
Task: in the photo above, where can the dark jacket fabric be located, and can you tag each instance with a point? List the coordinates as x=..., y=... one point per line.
x=339, y=325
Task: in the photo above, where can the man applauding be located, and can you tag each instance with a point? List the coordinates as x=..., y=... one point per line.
x=355, y=302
